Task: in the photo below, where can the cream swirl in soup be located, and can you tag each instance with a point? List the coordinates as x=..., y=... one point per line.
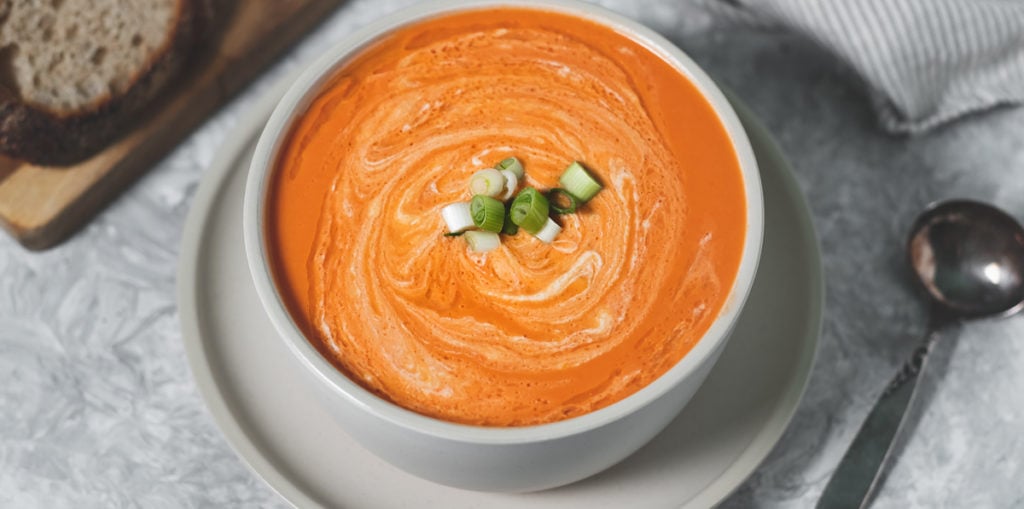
x=529, y=333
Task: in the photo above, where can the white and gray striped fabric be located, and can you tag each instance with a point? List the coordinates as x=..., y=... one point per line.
x=927, y=61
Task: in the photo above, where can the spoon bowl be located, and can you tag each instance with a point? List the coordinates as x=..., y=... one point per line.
x=969, y=257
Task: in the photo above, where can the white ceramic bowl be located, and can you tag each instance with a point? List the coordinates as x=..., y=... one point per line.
x=483, y=458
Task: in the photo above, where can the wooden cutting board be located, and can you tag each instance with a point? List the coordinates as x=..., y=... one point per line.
x=42, y=206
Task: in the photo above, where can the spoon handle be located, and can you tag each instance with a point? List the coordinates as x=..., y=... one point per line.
x=855, y=481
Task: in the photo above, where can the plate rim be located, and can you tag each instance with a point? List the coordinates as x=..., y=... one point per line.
x=733, y=477
x=211, y=184
x=237, y=434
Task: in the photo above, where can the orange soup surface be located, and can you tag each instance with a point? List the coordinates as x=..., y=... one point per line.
x=529, y=333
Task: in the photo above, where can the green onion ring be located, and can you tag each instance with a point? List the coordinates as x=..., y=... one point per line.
x=513, y=165
x=579, y=182
x=488, y=213
x=529, y=210
x=553, y=195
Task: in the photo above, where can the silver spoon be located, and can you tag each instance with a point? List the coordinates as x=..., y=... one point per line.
x=969, y=257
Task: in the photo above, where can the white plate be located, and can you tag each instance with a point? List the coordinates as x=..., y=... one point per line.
x=283, y=435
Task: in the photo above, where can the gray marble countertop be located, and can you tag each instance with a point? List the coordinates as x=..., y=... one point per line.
x=98, y=408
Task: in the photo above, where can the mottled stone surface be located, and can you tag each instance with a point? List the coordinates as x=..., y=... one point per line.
x=98, y=409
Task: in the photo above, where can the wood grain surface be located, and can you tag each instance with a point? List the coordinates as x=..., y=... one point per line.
x=42, y=206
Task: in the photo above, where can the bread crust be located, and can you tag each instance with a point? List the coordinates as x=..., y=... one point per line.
x=40, y=136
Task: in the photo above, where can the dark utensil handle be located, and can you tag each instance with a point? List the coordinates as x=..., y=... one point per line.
x=855, y=481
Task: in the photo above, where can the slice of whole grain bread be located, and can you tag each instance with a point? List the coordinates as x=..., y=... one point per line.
x=75, y=73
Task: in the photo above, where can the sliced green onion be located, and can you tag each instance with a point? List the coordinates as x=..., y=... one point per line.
x=513, y=165
x=458, y=217
x=511, y=183
x=529, y=210
x=553, y=197
x=488, y=182
x=456, y=234
x=481, y=241
x=548, y=232
x=579, y=182
x=488, y=213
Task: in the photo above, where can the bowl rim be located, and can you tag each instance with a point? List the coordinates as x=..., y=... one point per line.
x=304, y=89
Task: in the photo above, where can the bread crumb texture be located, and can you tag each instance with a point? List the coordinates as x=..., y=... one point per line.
x=66, y=55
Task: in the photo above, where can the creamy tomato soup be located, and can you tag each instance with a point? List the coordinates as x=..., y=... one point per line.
x=529, y=333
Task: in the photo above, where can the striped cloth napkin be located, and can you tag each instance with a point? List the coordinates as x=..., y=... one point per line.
x=927, y=62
